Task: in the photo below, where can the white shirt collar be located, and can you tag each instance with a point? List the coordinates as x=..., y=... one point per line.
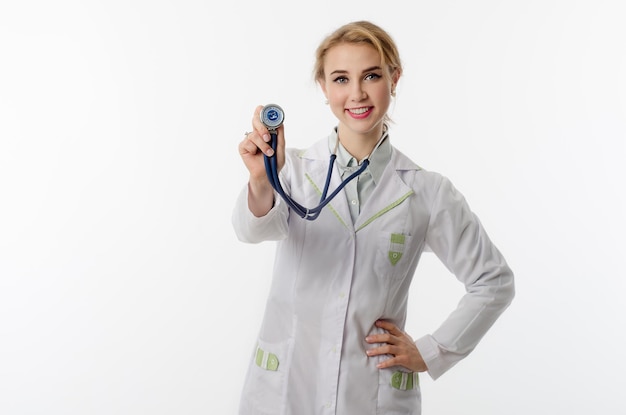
x=379, y=158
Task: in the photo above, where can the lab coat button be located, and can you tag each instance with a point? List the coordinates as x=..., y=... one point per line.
x=354, y=202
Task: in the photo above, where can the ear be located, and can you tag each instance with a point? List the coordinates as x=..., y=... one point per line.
x=323, y=87
x=395, y=77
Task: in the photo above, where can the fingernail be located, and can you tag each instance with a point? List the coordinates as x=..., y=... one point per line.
x=368, y=338
x=270, y=152
x=368, y=352
x=266, y=138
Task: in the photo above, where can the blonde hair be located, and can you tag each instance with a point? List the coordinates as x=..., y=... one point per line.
x=360, y=32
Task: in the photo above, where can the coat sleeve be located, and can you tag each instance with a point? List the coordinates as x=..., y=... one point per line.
x=459, y=240
x=252, y=229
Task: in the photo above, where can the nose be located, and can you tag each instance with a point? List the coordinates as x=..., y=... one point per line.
x=357, y=93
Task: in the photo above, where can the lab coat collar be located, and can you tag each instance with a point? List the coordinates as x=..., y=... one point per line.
x=392, y=188
x=319, y=151
x=391, y=191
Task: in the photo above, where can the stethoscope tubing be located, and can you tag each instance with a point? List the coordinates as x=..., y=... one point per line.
x=271, y=168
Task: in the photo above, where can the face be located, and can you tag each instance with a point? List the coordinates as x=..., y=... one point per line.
x=357, y=92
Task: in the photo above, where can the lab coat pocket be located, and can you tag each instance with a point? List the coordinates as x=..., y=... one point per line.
x=391, y=259
x=399, y=392
x=265, y=387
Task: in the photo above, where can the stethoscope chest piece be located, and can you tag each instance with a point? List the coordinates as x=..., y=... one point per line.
x=272, y=116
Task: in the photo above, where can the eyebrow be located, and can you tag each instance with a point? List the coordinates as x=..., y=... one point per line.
x=342, y=71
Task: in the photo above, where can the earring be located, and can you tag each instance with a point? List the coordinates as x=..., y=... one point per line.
x=393, y=93
x=326, y=102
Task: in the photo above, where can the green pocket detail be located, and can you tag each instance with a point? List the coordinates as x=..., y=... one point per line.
x=394, y=257
x=405, y=381
x=396, y=247
x=272, y=362
x=265, y=360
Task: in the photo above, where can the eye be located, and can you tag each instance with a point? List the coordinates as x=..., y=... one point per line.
x=372, y=76
x=341, y=80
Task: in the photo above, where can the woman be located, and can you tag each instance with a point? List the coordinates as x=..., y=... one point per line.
x=332, y=339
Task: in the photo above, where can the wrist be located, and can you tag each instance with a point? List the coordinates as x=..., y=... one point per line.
x=259, y=185
x=260, y=197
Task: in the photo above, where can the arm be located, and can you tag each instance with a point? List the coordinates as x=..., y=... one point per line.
x=256, y=218
x=252, y=229
x=252, y=149
x=457, y=237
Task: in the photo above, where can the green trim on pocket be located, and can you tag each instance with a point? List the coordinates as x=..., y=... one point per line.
x=405, y=381
x=396, y=247
x=265, y=360
x=394, y=257
x=397, y=238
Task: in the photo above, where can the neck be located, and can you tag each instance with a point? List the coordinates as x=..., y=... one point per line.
x=360, y=145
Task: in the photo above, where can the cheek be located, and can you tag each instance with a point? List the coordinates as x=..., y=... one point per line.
x=336, y=98
x=334, y=93
x=336, y=108
x=383, y=97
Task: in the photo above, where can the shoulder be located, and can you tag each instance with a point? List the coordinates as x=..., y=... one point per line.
x=317, y=151
x=429, y=184
x=406, y=167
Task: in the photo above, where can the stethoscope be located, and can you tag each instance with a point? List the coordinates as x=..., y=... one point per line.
x=272, y=116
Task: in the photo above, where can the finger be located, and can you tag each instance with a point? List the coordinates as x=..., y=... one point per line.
x=389, y=326
x=404, y=358
x=247, y=147
x=396, y=356
x=254, y=139
x=258, y=125
x=381, y=338
x=387, y=349
x=392, y=361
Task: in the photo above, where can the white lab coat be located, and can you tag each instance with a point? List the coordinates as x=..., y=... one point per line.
x=333, y=279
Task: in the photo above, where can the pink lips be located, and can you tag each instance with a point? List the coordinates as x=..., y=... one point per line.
x=361, y=115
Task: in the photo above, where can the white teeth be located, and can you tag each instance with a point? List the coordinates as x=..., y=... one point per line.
x=358, y=110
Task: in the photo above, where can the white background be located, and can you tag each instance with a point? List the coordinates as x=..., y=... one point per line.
x=122, y=286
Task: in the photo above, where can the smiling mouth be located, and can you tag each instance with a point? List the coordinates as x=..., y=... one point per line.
x=359, y=111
